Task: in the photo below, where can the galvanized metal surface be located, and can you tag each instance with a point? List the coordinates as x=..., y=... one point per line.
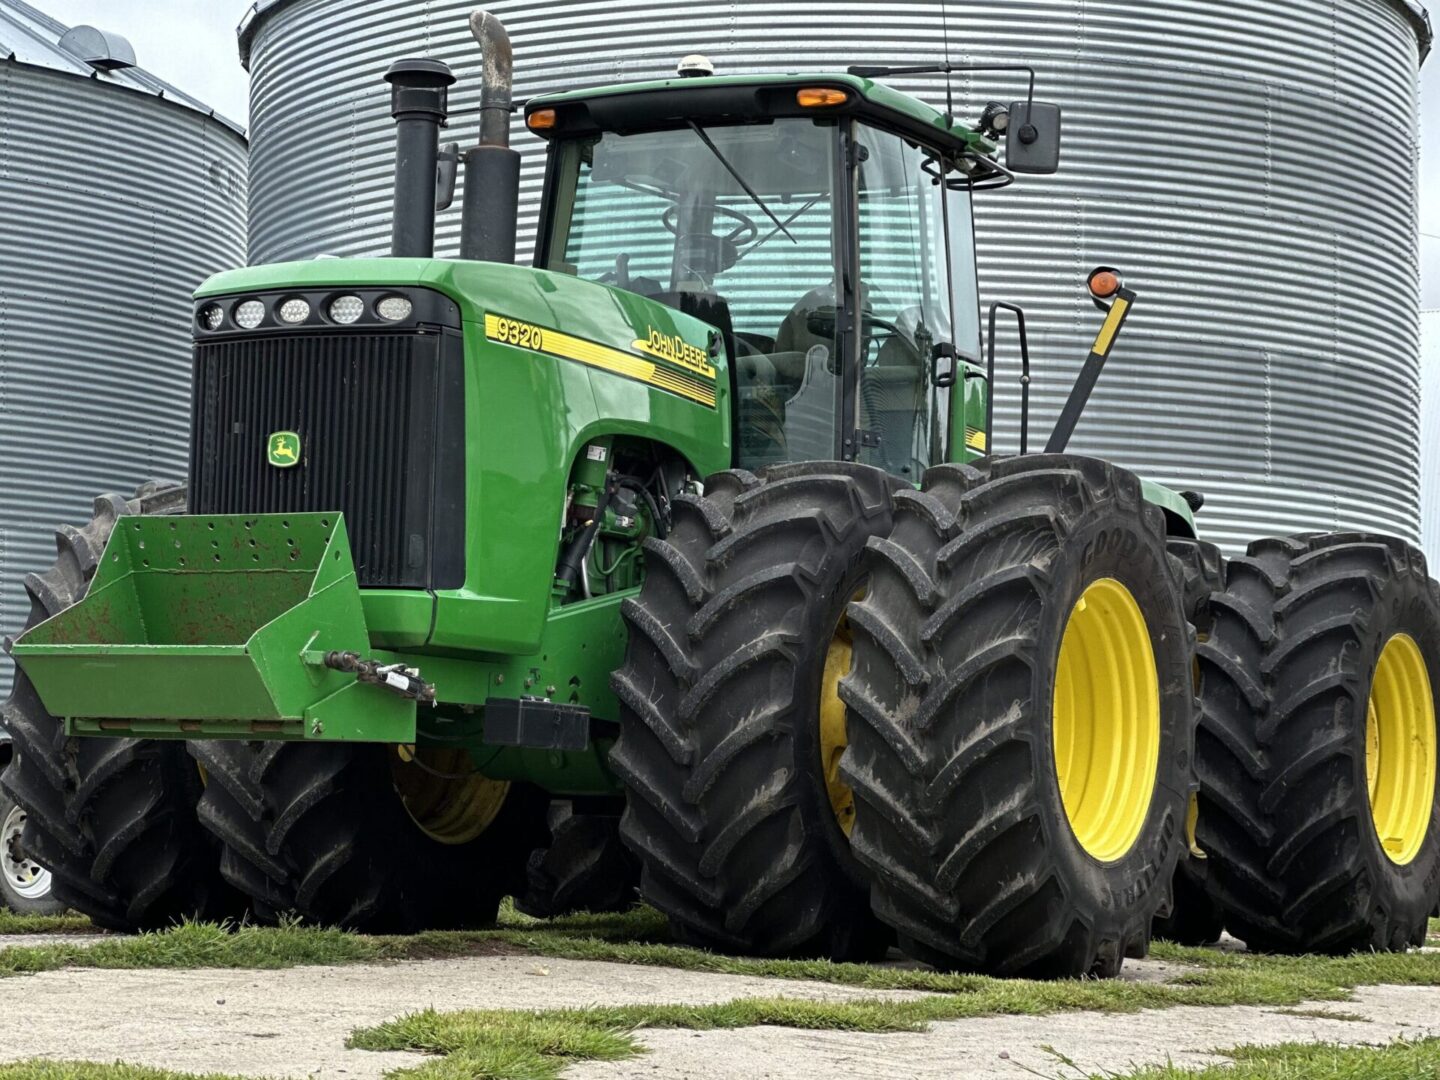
x=1430, y=437
x=1251, y=165
x=114, y=204
x=31, y=37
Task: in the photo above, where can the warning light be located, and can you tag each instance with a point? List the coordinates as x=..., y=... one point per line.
x=1104, y=282
x=821, y=97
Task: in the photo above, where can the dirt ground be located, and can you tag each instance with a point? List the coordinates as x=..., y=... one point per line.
x=293, y=1023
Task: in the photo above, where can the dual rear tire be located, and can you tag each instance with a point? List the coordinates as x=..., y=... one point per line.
x=1317, y=746
x=1021, y=717
x=945, y=807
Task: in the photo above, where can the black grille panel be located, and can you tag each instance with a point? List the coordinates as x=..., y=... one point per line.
x=379, y=417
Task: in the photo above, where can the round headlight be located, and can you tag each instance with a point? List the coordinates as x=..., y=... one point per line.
x=395, y=308
x=347, y=309
x=294, y=310
x=211, y=317
x=249, y=314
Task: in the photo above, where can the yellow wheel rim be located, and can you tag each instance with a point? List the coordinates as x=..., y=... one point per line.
x=1400, y=749
x=444, y=795
x=1106, y=716
x=833, y=740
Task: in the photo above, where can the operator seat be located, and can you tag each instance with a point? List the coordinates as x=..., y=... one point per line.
x=804, y=357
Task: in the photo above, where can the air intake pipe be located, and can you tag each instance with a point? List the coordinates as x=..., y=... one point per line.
x=492, y=170
x=419, y=92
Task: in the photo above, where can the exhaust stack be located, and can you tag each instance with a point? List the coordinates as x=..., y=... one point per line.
x=419, y=103
x=492, y=170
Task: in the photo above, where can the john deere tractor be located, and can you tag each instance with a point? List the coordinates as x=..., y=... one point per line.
x=696, y=525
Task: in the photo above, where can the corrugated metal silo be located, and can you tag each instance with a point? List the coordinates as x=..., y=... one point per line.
x=1251, y=165
x=118, y=195
x=1430, y=435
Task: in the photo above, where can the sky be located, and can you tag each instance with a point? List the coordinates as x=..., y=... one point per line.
x=191, y=43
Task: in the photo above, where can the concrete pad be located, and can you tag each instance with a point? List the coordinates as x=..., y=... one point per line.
x=294, y=1022
x=1013, y=1048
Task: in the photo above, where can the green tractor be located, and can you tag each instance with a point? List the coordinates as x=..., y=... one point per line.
x=695, y=526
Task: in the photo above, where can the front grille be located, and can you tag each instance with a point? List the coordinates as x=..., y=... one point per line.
x=379, y=415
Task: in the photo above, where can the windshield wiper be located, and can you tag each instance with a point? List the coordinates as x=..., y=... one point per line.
x=770, y=235
x=739, y=179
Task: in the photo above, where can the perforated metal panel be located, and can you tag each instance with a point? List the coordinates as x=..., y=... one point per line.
x=1250, y=165
x=115, y=202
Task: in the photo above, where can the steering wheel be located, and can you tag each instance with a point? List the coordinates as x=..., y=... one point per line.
x=744, y=231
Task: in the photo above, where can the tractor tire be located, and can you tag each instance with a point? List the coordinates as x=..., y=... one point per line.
x=739, y=835
x=586, y=867
x=985, y=853
x=1321, y=643
x=1194, y=918
x=324, y=832
x=113, y=820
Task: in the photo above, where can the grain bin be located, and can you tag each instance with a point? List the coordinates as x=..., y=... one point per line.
x=1430, y=435
x=1251, y=165
x=118, y=195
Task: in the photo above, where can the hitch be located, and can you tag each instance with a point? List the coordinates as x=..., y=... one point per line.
x=397, y=678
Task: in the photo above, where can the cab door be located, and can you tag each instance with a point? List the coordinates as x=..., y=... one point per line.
x=916, y=309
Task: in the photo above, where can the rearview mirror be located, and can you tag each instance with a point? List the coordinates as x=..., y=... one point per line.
x=447, y=167
x=1032, y=141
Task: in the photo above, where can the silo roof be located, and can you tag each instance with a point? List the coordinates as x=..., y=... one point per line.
x=1413, y=10
x=29, y=36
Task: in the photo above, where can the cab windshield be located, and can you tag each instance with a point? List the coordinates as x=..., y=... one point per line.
x=737, y=226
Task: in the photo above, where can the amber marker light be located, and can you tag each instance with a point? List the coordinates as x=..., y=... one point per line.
x=1104, y=283
x=541, y=120
x=821, y=97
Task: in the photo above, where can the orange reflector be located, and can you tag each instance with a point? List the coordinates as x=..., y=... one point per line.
x=1104, y=283
x=541, y=120
x=819, y=97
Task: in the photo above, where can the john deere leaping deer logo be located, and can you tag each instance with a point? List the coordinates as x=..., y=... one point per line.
x=283, y=449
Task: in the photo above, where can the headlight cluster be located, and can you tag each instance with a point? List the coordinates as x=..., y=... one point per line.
x=342, y=309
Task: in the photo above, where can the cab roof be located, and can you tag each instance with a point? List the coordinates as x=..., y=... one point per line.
x=648, y=106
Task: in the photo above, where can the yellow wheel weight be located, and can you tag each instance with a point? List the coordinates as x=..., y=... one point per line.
x=1400, y=749
x=1106, y=720
x=839, y=656
x=446, y=798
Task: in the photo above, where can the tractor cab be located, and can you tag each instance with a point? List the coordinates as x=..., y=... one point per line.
x=821, y=225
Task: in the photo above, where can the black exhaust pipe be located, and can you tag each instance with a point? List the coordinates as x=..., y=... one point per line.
x=418, y=101
x=492, y=170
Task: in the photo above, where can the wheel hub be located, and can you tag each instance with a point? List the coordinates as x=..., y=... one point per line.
x=25, y=876
x=444, y=795
x=1106, y=720
x=1400, y=749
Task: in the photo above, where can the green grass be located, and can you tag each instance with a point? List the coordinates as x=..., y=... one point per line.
x=201, y=945
x=11, y=923
x=94, y=1070
x=1200, y=976
x=1325, y=1014
x=1418, y=1060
